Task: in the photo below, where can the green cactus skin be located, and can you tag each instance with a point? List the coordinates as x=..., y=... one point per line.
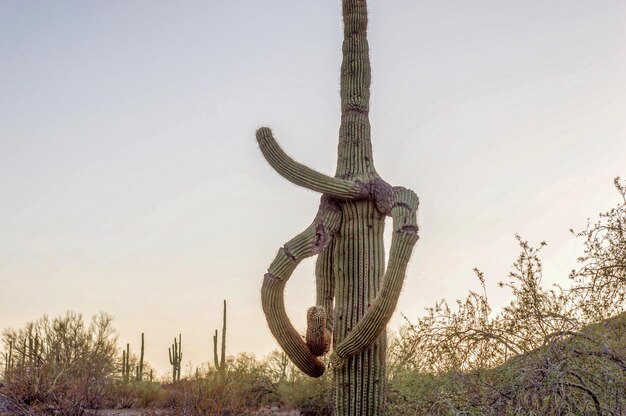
x=317, y=333
x=220, y=364
x=347, y=236
x=176, y=358
x=139, y=375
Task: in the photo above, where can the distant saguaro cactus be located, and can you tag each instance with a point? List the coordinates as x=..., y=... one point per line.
x=220, y=364
x=8, y=361
x=33, y=350
x=347, y=236
x=139, y=375
x=176, y=358
x=126, y=364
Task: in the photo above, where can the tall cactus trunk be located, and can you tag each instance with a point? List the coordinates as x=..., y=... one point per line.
x=220, y=364
x=356, y=295
x=359, y=252
x=139, y=376
x=360, y=257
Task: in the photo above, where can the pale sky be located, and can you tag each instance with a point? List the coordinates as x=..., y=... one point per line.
x=131, y=181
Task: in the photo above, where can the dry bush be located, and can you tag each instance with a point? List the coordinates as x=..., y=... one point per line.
x=542, y=354
x=241, y=389
x=60, y=365
x=602, y=275
x=577, y=372
x=473, y=336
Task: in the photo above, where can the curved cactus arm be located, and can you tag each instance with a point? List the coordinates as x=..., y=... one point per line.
x=309, y=242
x=302, y=175
x=374, y=321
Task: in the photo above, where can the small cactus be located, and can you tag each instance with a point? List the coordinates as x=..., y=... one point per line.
x=176, y=358
x=220, y=365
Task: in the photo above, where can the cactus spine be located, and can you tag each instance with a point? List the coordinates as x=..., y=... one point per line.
x=347, y=236
x=220, y=364
x=176, y=357
x=126, y=364
x=139, y=375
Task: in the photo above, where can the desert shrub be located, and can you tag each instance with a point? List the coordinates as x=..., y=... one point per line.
x=61, y=364
x=143, y=394
x=312, y=396
x=472, y=336
x=577, y=372
x=601, y=279
x=242, y=388
x=548, y=352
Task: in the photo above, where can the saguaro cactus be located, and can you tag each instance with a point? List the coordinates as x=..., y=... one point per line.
x=33, y=350
x=347, y=236
x=176, y=358
x=8, y=361
x=126, y=364
x=220, y=364
x=139, y=375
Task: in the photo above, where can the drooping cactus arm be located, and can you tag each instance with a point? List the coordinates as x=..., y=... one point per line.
x=311, y=241
x=374, y=321
x=320, y=317
x=325, y=282
x=302, y=175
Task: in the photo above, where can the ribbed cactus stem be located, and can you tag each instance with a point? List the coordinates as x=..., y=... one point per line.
x=317, y=334
x=311, y=241
x=223, y=356
x=325, y=283
x=356, y=296
x=302, y=175
x=220, y=364
x=354, y=159
x=378, y=313
x=139, y=375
